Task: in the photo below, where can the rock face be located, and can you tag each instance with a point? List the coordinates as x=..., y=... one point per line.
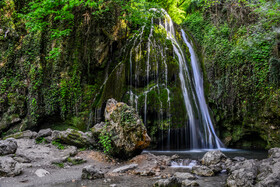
x=9, y=167
x=126, y=130
x=74, y=137
x=90, y=172
x=213, y=157
x=8, y=146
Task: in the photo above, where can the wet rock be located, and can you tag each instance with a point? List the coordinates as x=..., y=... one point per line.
x=189, y=183
x=171, y=182
x=127, y=132
x=274, y=153
x=203, y=171
x=41, y=172
x=74, y=137
x=25, y=134
x=44, y=133
x=239, y=159
x=216, y=168
x=125, y=168
x=174, y=157
x=8, y=146
x=9, y=167
x=90, y=172
x=181, y=175
x=213, y=157
x=243, y=173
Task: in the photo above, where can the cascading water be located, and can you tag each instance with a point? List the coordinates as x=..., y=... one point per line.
x=202, y=134
x=199, y=90
x=166, y=89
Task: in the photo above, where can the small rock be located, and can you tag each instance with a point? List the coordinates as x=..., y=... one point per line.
x=173, y=157
x=239, y=159
x=8, y=146
x=41, y=172
x=203, y=171
x=125, y=168
x=9, y=167
x=89, y=172
x=107, y=180
x=274, y=153
x=189, y=183
x=97, y=129
x=167, y=182
x=75, y=160
x=213, y=157
x=44, y=133
x=181, y=175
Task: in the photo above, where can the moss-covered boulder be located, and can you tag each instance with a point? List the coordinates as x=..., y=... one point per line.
x=125, y=130
x=74, y=137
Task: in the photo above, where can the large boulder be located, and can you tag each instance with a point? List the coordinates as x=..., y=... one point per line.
x=74, y=137
x=243, y=173
x=213, y=157
x=269, y=169
x=8, y=146
x=124, y=127
x=9, y=167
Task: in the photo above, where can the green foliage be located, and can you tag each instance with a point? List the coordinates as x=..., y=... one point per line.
x=61, y=165
x=58, y=144
x=105, y=140
x=75, y=162
x=240, y=59
x=40, y=140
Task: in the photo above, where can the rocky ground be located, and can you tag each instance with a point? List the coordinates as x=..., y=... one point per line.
x=26, y=161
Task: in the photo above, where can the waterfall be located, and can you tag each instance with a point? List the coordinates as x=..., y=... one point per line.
x=202, y=133
x=149, y=75
x=198, y=80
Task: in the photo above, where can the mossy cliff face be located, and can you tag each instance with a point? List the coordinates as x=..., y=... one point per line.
x=147, y=78
x=64, y=82
x=53, y=82
x=241, y=55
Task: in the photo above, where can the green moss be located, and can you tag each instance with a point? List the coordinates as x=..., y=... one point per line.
x=61, y=165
